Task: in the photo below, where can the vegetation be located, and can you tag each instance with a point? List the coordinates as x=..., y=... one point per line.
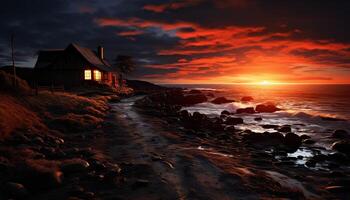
x=124, y=64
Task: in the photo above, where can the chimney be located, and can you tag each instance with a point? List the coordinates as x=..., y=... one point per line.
x=100, y=52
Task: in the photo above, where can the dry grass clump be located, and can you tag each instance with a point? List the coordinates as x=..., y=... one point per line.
x=14, y=116
x=6, y=84
x=74, y=122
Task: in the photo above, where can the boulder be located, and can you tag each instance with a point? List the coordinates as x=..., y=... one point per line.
x=16, y=190
x=225, y=112
x=285, y=129
x=309, y=141
x=222, y=100
x=74, y=165
x=340, y=134
x=342, y=146
x=247, y=98
x=270, y=126
x=292, y=140
x=233, y=121
x=249, y=110
x=258, y=119
x=274, y=138
x=194, y=92
x=193, y=99
x=304, y=137
x=266, y=108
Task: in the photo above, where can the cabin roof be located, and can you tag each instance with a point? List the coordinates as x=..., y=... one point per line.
x=48, y=57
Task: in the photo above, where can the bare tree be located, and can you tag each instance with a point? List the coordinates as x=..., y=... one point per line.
x=124, y=64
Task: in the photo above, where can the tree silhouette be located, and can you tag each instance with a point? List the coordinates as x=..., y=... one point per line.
x=124, y=64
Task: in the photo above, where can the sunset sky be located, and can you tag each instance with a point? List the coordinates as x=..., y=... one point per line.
x=192, y=41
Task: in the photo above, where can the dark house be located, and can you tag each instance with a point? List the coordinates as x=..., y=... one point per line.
x=74, y=66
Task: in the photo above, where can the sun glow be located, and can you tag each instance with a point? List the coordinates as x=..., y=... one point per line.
x=265, y=83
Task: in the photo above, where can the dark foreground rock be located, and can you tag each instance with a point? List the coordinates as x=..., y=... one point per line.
x=340, y=134
x=247, y=98
x=222, y=100
x=292, y=140
x=266, y=108
x=342, y=146
x=249, y=110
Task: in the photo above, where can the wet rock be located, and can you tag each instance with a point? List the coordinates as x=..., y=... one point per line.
x=233, y=121
x=230, y=128
x=249, y=110
x=222, y=100
x=336, y=189
x=319, y=158
x=225, y=112
x=194, y=92
x=310, y=163
x=140, y=183
x=194, y=99
x=266, y=108
x=342, y=146
x=38, y=140
x=304, y=137
x=337, y=157
x=274, y=138
x=74, y=166
x=15, y=190
x=309, y=141
x=292, y=140
x=340, y=134
x=258, y=119
x=269, y=126
x=285, y=129
x=247, y=98
x=210, y=95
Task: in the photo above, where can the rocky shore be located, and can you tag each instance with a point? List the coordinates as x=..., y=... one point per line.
x=99, y=146
x=324, y=172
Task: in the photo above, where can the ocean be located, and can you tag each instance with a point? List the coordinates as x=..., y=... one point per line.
x=304, y=107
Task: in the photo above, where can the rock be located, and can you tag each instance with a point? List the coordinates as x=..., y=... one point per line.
x=336, y=189
x=275, y=138
x=140, y=183
x=194, y=99
x=304, y=137
x=266, y=108
x=230, y=128
x=269, y=126
x=222, y=100
x=247, y=98
x=309, y=141
x=258, y=119
x=342, y=146
x=285, y=129
x=16, y=190
x=337, y=157
x=194, y=92
x=210, y=95
x=340, y=134
x=74, y=165
x=292, y=140
x=319, y=158
x=225, y=112
x=249, y=110
x=38, y=140
x=233, y=121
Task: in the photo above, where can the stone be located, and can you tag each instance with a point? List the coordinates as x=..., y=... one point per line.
x=222, y=100
x=266, y=108
x=140, y=183
x=342, y=146
x=249, y=110
x=74, y=165
x=309, y=141
x=292, y=140
x=247, y=98
x=269, y=126
x=340, y=134
x=233, y=121
x=230, y=128
x=16, y=190
x=336, y=189
x=258, y=119
x=337, y=157
x=285, y=129
x=193, y=99
x=304, y=137
x=195, y=92
x=225, y=112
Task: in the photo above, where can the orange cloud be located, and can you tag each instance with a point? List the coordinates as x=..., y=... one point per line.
x=240, y=54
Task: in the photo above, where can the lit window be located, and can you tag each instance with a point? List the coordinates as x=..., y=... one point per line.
x=87, y=74
x=97, y=75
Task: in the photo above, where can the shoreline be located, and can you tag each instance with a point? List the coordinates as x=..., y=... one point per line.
x=150, y=150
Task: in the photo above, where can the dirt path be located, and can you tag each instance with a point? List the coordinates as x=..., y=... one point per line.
x=161, y=164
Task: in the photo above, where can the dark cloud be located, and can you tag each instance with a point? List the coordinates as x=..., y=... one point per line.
x=190, y=38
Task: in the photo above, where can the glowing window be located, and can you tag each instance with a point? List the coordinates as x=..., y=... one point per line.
x=97, y=75
x=87, y=74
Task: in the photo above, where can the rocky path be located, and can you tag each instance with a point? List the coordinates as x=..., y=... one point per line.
x=159, y=163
